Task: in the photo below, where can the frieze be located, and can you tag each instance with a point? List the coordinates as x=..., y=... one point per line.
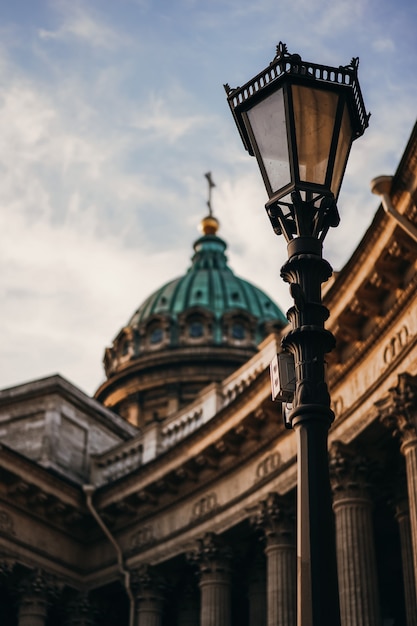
x=204, y=506
x=142, y=538
x=268, y=465
x=390, y=351
x=6, y=524
x=395, y=345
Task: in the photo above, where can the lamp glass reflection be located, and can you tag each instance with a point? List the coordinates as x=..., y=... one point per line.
x=314, y=118
x=268, y=126
x=342, y=153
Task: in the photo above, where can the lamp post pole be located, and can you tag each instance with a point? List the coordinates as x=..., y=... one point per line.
x=308, y=341
x=299, y=119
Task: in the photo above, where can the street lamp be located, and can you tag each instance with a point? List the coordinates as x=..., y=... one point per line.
x=299, y=119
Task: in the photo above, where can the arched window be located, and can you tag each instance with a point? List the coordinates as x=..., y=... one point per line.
x=157, y=334
x=196, y=329
x=238, y=330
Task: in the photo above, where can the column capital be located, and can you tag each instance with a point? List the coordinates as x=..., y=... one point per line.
x=6, y=567
x=148, y=589
x=211, y=554
x=356, y=561
x=35, y=590
x=146, y=582
x=213, y=558
x=398, y=410
x=80, y=611
x=274, y=517
x=349, y=471
x=38, y=583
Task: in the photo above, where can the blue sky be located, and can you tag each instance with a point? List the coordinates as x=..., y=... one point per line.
x=111, y=111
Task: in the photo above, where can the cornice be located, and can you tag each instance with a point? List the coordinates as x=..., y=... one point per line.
x=39, y=493
x=232, y=425
x=383, y=229
x=338, y=371
x=21, y=466
x=43, y=387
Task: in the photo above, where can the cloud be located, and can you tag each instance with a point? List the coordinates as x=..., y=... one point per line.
x=384, y=45
x=103, y=148
x=74, y=292
x=162, y=122
x=77, y=24
x=255, y=252
x=80, y=226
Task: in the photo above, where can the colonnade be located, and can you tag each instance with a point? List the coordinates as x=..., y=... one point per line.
x=270, y=594
x=271, y=591
x=271, y=581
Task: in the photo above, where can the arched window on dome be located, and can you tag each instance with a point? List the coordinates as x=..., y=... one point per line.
x=196, y=329
x=123, y=345
x=156, y=333
x=238, y=328
x=195, y=326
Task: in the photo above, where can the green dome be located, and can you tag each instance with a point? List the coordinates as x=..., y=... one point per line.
x=209, y=313
x=211, y=285
x=193, y=331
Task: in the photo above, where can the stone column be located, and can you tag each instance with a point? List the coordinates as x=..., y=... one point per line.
x=148, y=589
x=403, y=519
x=213, y=560
x=398, y=411
x=275, y=518
x=355, y=546
x=33, y=602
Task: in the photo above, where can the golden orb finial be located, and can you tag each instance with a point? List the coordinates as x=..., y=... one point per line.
x=209, y=225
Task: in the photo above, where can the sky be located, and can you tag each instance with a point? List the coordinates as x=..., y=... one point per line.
x=112, y=111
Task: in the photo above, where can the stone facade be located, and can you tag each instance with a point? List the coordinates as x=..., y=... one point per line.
x=190, y=519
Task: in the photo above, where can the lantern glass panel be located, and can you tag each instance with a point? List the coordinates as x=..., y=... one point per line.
x=267, y=122
x=314, y=118
x=342, y=152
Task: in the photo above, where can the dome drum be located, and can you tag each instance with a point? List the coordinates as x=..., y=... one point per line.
x=186, y=369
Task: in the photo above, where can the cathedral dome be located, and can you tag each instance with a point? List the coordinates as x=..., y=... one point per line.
x=211, y=286
x=194, y=330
